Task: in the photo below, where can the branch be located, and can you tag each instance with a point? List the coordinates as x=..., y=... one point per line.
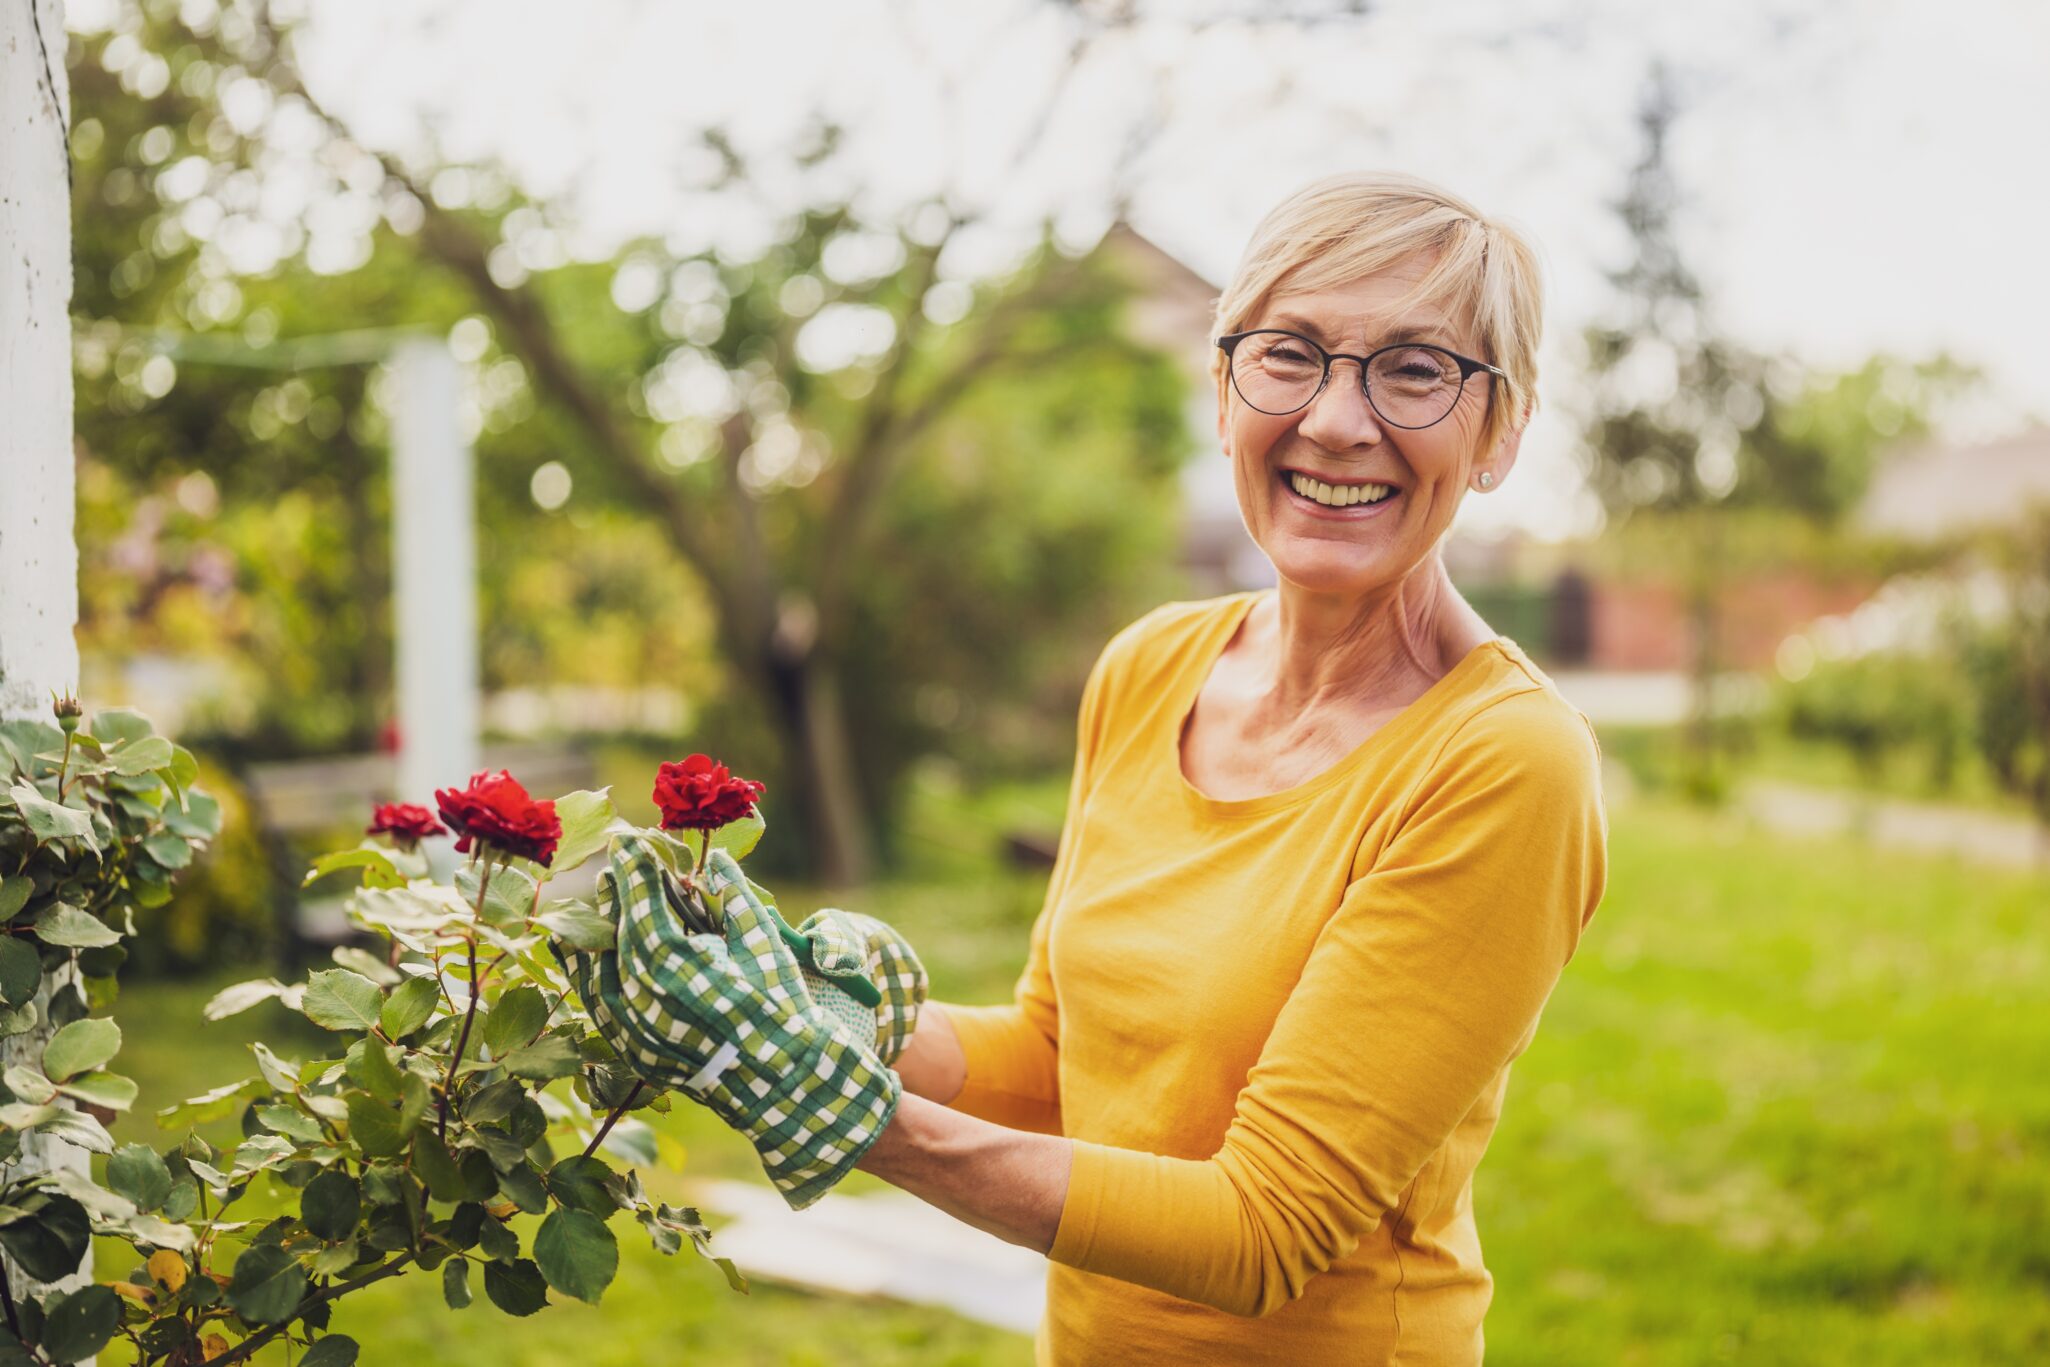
x=244, y=1350
x=887, y=433
x=613, y=1119
x=519, y=311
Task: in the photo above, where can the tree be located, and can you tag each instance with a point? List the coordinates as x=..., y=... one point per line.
x=787, y=422
x=1692, y=431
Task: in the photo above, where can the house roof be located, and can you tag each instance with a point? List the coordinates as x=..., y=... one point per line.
x=1936, y=489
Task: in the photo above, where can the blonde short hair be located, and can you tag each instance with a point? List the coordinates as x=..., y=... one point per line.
x=1342, y=227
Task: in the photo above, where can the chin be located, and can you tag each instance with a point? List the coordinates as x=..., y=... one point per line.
x=1332, y=568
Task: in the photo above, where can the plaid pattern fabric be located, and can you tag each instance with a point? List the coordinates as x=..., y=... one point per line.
x=728, y=1019
x=847, y=944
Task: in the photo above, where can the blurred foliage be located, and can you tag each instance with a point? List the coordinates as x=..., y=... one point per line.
x=2008, y=663
x=1881, y=704
x=830, y=496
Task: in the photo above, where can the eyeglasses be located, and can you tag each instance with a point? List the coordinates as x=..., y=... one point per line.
x=1409, y=385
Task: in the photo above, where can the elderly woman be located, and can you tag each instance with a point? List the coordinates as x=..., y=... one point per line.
x=1328, y=848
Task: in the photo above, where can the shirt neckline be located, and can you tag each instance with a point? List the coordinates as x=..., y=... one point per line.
x=1382, y=736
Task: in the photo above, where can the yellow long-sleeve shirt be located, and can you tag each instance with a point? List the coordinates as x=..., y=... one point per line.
x=1279, y=1028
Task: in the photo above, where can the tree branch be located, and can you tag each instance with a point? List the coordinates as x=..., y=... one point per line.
x=518, y=310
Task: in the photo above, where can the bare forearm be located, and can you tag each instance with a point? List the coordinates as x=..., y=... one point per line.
x=933, y=1064
x=1010, y=1183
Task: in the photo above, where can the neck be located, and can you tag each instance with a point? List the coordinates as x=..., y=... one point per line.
x=1395, y=642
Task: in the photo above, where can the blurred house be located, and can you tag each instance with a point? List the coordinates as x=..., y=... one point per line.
x=1935, y=490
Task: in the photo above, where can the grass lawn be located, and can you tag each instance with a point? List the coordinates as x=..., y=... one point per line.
x=1790, y=1104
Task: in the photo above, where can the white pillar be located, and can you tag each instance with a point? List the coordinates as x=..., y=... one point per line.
x=38, y=559
x=434, y=583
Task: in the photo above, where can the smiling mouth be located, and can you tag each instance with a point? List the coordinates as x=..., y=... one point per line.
x=1336, y=496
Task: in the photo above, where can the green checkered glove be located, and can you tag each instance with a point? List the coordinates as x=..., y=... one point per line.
x=727, y=1019
x=862, y=972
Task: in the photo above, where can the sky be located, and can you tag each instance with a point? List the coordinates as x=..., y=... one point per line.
x=1859, y=176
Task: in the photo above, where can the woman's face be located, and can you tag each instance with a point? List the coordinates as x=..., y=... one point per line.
x=1339, y=440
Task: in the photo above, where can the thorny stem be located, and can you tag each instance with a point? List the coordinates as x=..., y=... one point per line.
x=613, y=1119
x=246, y=1349
x=448, y=1084
x=63, y=768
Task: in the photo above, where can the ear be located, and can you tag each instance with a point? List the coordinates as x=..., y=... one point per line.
x=1501, y=460
x=1223, y=420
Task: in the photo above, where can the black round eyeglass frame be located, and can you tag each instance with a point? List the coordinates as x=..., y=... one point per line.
x=1467, y=366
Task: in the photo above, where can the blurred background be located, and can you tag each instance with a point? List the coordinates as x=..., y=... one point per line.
x=832, y=382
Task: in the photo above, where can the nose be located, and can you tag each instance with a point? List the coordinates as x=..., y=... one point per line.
x=1339, y=417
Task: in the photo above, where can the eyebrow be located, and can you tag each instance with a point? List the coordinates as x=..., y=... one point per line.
x=1425, y=332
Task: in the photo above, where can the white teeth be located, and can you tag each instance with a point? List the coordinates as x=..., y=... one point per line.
x=1340, y=495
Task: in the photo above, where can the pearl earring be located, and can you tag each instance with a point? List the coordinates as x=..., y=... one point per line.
x=1487, y=479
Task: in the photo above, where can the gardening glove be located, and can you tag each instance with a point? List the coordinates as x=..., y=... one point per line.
x=727, y=1019
x=862, y=972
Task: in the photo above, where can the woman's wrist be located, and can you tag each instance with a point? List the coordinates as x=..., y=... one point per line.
x=1007, y=1182
x=933, y=1065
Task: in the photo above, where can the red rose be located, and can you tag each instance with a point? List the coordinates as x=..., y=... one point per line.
x=497, y=811
x=407, y=823
x=699, y=795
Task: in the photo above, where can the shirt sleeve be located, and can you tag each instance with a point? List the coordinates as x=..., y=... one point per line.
x=1427, y=981
x=1013, y=1051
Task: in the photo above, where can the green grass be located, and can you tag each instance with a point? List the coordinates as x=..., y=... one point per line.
x=1790, y=1104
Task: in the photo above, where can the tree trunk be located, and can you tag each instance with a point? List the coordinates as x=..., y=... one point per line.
x=38, y=556
x=1703, y=777
x=810, y=716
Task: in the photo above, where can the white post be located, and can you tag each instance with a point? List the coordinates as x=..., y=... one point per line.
x=38, y=557
x=434, y=581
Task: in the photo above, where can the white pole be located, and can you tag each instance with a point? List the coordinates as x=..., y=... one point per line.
x=38, y=558
x=38, y=555
x=434, y=581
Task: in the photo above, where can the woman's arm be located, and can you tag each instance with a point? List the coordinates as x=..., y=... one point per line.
x=1007, y=1182
x=933, y=1065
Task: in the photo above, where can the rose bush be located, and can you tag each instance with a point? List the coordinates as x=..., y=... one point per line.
x=466, y=1087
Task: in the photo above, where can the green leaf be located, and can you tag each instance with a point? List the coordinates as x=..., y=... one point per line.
x=579, y=1182
x=378, y=869
x=514, y=1019
x=260, y=1151
x=138, y=1173
x=739, y=838
x=517, y=1288
x=577, y=1254
x=79, y=1323
x=14, y=894
x=21, y=969
x=507, y=901
x=498, y=1243
x=374, y=1126
x=577, y=925
x=266, y=1285
x=521, y=1185
x=110, y=1091
x=436, y=1169
x=341, y=1000
x=455, y=1283
x=169, y=850
x=140, y=756
x=209, y=1106
x=116, y=724
x=408, y=1007
x=281, y=1074
x=287, y=1120
x=413, y=1100
x=48, y=821
x=80, y=1046
x=28, y=1085
x=200, y=820
x=49, y=1244
x=331, y=1204
x=585, y=815
x=64, y=925
x=234, y=1000
x=369, y=1065
x=551, y=1056
x=331, y=1350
